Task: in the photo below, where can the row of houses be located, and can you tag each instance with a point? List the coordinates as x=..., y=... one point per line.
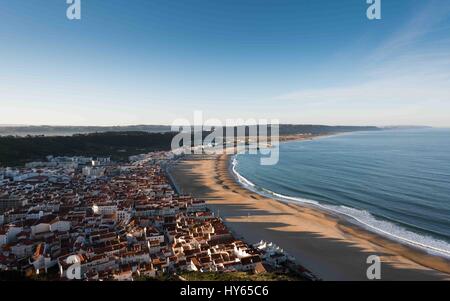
x=125, y=224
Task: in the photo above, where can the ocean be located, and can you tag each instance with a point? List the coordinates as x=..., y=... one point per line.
x=393, y=182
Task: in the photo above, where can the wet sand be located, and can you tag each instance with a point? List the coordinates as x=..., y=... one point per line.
x=331, y=247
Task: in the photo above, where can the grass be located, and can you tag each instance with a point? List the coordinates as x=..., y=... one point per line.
x=237, y=276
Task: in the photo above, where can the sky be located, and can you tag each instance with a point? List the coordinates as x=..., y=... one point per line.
x=155, y=61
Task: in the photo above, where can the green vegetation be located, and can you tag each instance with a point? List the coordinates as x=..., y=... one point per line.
x=13, y=276
x=16, y=151
x=285, y=129
x=164, y=277
x=51, y=275
x=238, y=276
x=48, y=130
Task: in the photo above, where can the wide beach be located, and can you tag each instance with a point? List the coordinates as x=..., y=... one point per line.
x=331, y=247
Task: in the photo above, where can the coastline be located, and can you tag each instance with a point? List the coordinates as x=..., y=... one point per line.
x=245, y=183
x=330, y=246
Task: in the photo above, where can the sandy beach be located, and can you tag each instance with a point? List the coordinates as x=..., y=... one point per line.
x=331, y=247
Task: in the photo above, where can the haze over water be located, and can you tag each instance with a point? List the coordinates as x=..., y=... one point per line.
x=395, y=182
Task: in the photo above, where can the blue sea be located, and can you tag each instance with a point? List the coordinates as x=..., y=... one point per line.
x=393, y=182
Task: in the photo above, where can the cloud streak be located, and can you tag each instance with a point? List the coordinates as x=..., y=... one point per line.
x=393, y=90
x=403, y=70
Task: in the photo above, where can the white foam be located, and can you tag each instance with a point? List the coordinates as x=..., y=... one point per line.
x=241, y=179
x=362, y=217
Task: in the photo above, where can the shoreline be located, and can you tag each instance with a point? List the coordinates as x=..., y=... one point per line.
x=341, y=215
x=430, y=250
x=328, y=245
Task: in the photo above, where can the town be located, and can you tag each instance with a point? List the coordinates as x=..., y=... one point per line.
x=123, y=221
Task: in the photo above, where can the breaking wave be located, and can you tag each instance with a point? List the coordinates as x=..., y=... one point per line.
x=360, y=217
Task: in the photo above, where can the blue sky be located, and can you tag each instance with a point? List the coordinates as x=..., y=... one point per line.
x=151, y=62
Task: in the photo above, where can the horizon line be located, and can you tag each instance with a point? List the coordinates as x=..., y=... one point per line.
x=167, y=125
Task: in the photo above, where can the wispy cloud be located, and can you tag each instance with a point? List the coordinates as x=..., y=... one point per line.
x=426, y=21
x=395, y=90
x=401, y=70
